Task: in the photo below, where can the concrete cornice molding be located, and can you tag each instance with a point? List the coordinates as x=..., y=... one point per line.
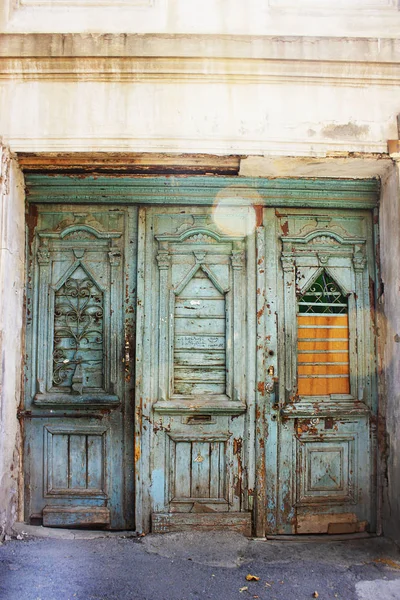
x=299, y=48
x=205, y=70
x=205, y=58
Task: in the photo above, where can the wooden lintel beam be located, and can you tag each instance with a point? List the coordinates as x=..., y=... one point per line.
x=146, y=163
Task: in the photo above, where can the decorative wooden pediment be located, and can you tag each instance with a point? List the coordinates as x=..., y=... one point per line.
x=322, y=241
x=198, y=235
x=79, y=232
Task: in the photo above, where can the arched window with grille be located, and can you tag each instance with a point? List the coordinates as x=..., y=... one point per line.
x=323, y=339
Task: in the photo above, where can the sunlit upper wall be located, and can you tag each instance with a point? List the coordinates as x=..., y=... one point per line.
x=342, y=18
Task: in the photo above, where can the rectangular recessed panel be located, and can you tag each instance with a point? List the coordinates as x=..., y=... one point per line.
x=74, y=463
x=327, y=469
x=323, y=357
x=198, y=472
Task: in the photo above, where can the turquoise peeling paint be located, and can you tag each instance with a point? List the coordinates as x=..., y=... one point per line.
x=344, y=193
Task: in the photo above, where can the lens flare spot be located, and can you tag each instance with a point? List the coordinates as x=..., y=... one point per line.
x=234, y=213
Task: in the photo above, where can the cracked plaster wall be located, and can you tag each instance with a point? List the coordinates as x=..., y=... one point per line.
x=12, y=267
x=389, y=335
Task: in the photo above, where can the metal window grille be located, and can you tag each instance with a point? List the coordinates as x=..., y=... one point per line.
x=323, y=297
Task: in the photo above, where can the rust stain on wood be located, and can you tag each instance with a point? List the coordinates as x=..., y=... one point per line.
x=261, y=387
x=259, y=210
x=285, y=227
x=260, y=313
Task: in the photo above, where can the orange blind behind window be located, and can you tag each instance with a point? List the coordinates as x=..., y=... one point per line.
x=323, y=354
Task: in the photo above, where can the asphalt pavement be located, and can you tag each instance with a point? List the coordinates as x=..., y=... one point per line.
x=66, y=565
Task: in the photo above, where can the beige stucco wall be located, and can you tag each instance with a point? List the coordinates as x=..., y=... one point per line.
x=284, y=97
x=12, y=281
x=342, y=18
x=187, y=117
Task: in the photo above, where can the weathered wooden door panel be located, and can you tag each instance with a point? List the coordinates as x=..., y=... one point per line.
x=79, y=401
x=195, y=381
x=324, y=411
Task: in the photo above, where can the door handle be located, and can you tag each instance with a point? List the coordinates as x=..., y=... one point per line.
x=273, y=389
x=127, y=359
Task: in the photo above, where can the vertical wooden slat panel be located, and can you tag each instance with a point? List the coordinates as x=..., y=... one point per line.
x=199, y=331
x=215, y=472
x=95, y=462
x=222, y=470
x=77, y=461
x=59, y=457
x=182, y=469
x=200, y=470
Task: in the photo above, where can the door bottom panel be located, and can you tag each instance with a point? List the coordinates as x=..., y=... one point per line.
x=172, y=522
x=76, y=516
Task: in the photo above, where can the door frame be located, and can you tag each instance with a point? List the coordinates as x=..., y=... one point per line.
x=201, y=190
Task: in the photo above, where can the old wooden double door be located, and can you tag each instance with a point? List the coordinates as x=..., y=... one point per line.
x=200, y=366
